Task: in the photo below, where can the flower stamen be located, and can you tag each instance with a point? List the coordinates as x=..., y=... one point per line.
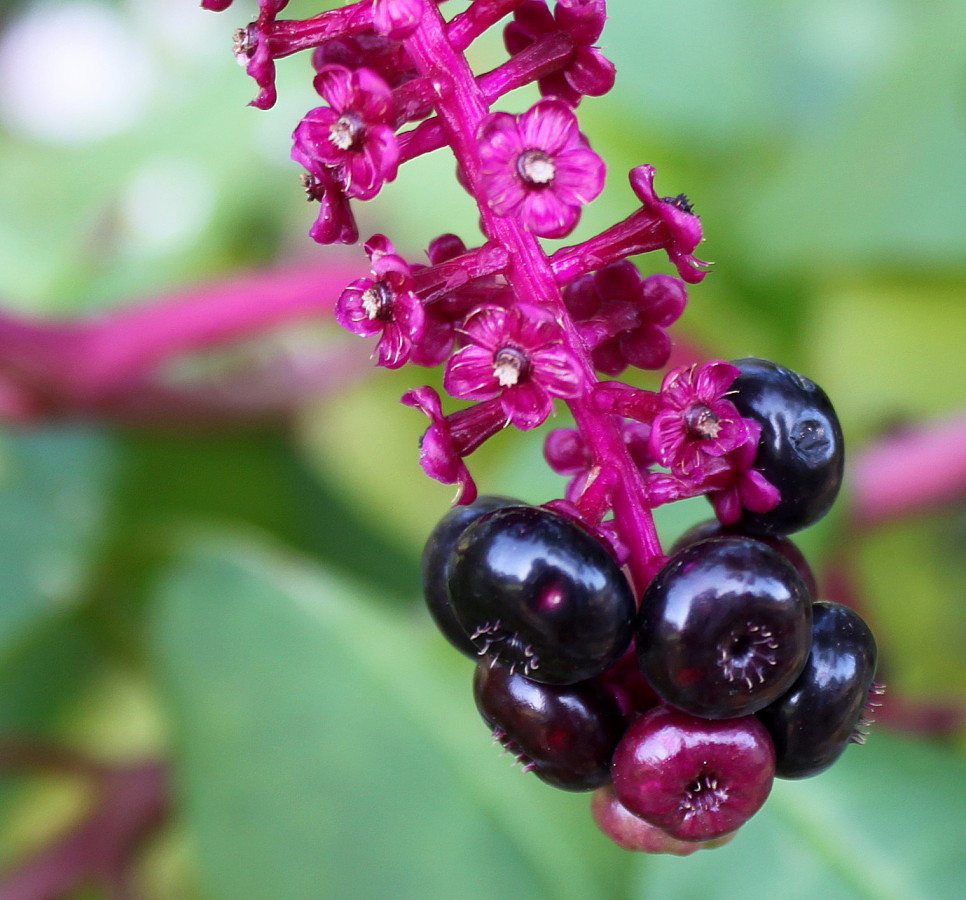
x=377, y=301
x=536, y=167
x=347, y=131
x=509, y=365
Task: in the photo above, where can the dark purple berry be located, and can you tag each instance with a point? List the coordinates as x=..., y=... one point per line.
x=713, y=528
x=632, y=833
x=724, y=628
x=564, y=734
x=695, y=779
x=823, y=710
x=801, y=451
x=435, y=566
x=534, y=591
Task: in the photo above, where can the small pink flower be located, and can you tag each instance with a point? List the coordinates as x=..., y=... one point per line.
x=449, y=438
x=567, y=453
x=668, y=222
x=351, y=135
x=589, y=72
x=384, y=304
x=517, y=355
x=539, y=167
x=695, y=422
x=334, y=223
x=396, y=19
x=253, y=48
x=624, y=316
x=742, y=487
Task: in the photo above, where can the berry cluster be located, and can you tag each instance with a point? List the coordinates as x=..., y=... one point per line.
x=680, y=709
x=675, y=686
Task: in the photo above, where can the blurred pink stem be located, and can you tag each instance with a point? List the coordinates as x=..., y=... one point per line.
x=88, y=365
x=917, y=468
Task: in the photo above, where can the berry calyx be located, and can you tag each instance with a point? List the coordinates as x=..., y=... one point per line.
x=801, y=449
x=695, y=779
x=564, y=734
x=534, y=591
x=724, y=628
x=823, y=711
x=435, y=566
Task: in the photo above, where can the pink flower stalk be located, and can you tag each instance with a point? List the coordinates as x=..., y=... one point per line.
x=588, y=72
x=539, y=167
x=695, y=422
x=515, y=354
x=350, y=136
x=384, y=304
x=449, y=438
x=623, y=316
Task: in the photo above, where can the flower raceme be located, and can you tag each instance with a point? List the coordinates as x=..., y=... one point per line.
x=522, y=329
x=517, y=327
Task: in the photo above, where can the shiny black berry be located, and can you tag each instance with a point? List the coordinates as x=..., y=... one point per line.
x=713, y=528
x=724, y=628
x=564, y=734
x=435, y=566
x=534, y=591
x=801, y=450
x=822, y=712
x=695, y=779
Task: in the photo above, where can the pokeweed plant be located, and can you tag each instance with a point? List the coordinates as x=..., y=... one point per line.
x=674, y=684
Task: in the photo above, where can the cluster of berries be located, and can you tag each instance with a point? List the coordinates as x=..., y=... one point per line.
x=679, y=710
x=675, y=686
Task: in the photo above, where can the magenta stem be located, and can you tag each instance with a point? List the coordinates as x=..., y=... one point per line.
x=288, y=36
x=93, y=359
x=461, y=108
x=467, y=26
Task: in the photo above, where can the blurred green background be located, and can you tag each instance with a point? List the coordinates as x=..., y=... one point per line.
x=245, y=601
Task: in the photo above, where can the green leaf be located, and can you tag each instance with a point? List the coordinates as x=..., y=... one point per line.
x=884, y=823
x=322, y=750
x=52, y=507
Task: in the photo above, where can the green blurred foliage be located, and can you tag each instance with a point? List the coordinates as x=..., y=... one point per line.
x=247, y=602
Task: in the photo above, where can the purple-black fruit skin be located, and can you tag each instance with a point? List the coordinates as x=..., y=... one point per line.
x=724, y=628
x=435, y=571
x=697, y=779
x=536, y=591
x=812, y=723
x=566, y=732
x=801, y=450
x=712, y=528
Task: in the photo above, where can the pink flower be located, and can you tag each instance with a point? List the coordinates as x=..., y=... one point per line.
x=449, y=438
x=589, y=71
x=539, y=167
x=741, y=486
x=334, y=222
x=694, y=421
x=668, y=222
x=351, y=135
x=517, y=355
x=396, y=19
x=384, y=304
x=625, y=316
x=567, y=453
x=253, y=48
